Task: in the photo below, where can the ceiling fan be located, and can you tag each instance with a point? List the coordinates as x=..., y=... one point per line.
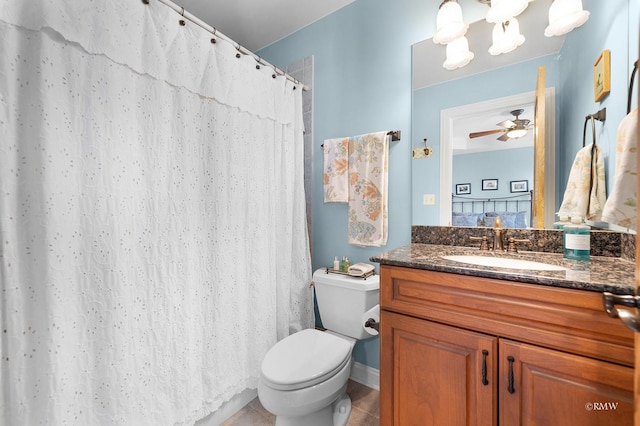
x=515, y=128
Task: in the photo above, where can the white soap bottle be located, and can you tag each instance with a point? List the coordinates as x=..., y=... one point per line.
x=336, y=264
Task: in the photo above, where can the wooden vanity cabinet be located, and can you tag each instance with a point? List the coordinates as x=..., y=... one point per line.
x=463, y=350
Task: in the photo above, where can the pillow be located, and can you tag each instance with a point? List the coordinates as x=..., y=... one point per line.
x=509, y=219
x=466, y=219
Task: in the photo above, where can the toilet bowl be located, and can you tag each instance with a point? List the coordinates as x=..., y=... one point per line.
x=304, y=377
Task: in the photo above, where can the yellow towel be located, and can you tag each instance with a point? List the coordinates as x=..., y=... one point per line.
x=586, y=190
x=620, y=208
x=368, y=180
x=336, y=165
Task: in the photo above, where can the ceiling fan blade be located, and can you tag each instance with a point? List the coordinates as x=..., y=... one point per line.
x=485, y=133
x=503, y=138
x=507, y=123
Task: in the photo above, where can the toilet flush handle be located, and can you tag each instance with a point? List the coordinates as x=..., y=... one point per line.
x=371, y=323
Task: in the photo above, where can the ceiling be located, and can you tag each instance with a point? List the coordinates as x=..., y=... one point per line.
x=255, y=24
x=487, y=118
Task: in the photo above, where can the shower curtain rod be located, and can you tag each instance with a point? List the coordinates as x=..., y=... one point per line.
x=180, y=10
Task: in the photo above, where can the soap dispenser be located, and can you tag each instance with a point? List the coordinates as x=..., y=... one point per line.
x=563, y=219
x=577, y=239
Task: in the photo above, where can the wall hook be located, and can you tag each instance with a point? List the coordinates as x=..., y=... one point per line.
x=425, y=152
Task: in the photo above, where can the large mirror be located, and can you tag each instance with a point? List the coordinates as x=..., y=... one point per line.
x=449, y=105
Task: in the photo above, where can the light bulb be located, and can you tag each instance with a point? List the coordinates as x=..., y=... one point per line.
x=506, y=37
x=564, y=16
x=458, y=54
x=449, y=23
x=503, y=10
x=516, y=133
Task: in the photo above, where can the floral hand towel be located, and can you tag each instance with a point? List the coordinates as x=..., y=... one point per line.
x=336, y=165
x=368, y=180
x=620, y=208
x=586, y=190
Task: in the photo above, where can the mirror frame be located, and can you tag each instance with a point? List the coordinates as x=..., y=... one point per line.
x=447, y=118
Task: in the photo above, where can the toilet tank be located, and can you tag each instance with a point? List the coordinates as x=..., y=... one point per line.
x=342, y=300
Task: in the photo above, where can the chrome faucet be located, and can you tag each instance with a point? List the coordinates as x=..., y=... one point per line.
x=498, y=240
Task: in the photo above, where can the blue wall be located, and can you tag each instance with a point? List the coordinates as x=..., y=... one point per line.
x=362, y=84
x=505, y=165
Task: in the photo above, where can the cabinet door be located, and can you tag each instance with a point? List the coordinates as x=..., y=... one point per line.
x=541, y=386
x=434, y=374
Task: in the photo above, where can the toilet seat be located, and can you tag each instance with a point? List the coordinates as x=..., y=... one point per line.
x=304, y=359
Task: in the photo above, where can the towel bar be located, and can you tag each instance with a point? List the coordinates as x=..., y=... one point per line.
x=395, y=136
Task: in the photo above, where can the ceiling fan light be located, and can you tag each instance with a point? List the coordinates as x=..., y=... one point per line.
x=458, y=54
x=503, y=10
x=517, y=133
x=564, y=16
x=449, y=23
x=506, y=37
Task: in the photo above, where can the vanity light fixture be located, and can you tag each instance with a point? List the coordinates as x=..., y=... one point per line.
x=449, y=23
x=503, y=10
x=458, y=54
x=564, y=16
x=506, y=37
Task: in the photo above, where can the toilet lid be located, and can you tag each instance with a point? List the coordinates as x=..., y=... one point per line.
x=304, y=359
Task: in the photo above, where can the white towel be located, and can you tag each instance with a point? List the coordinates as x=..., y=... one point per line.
x=368, y=180
x=586, y=190
x=620, y=208
x=336, y=166
x=360, y=269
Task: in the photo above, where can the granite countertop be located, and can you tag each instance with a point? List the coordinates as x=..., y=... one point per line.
x=599, y=274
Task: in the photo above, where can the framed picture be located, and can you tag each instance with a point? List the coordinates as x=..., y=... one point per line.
x=601, y=76
x=463, y=188
x=519, y=185
x=489, y=184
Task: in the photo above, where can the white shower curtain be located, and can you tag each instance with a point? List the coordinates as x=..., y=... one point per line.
x=152, y=215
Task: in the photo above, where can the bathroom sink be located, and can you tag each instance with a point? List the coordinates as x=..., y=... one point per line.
x=503, y=262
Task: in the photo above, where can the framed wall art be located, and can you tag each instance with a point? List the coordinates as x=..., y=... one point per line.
x=489, y=184
x=463, y=188
x=602, y=76
x=519, y=185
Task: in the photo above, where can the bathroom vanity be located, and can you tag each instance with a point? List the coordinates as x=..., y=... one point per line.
x=465, y=344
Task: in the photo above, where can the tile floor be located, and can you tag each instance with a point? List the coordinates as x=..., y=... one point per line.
x=365, y=409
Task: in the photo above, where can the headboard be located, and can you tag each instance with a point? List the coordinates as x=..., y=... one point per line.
x=515, y=211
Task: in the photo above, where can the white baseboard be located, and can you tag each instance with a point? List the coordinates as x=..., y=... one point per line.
x=365, y=375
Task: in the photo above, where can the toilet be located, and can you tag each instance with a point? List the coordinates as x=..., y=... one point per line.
x=303, y=379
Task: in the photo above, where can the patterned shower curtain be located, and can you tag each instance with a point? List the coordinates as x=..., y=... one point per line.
x=152, y=215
